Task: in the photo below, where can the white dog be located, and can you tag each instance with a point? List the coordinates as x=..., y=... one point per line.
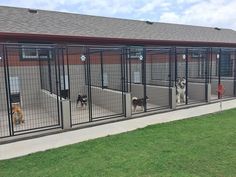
x=181, y=90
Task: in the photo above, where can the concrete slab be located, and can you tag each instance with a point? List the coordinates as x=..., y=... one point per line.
x=81, y=115
x=34, y=118
x=25, y=147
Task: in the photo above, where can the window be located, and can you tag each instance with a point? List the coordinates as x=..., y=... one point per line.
x=15, y=90
x=64, y=86
x=135, y=52
x=196, y=54
x=30, y=52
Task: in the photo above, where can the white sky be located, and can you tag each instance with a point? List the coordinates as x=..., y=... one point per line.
x=213, y=13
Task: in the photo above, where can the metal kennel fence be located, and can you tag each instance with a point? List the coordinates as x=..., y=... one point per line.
x=191, y=67
x=149, y=77
x=98, y=74
x=39, y=79
x=25, y=86
x=223, y=71
x=159, y=68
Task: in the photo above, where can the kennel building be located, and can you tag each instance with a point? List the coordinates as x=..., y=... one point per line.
x=48, y=59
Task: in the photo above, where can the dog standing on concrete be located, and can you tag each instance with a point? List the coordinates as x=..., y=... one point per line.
x=82, y=100
x=181, y=90
x=17, y=114
x=138, y=102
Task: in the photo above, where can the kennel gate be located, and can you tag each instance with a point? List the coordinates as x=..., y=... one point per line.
x=192, y=65
x=223, y=71
x=149, y=77
x=29, y=80
x=98, y=73
x=159, y=67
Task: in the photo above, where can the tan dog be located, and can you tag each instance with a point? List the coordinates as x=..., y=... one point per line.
x=17, y=115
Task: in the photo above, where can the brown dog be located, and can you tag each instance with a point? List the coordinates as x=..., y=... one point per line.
x=17, y=115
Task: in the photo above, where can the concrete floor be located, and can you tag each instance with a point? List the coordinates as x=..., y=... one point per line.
x=39, y=118
x=81, y=115
x=140, y=109
x=215, y=97
x=190, y=102
x=34, y=118
x=25, y=147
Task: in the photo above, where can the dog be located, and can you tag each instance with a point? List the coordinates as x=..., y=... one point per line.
x=181, y=90
x=138, y=102
x=17, y=115
x=82, y=100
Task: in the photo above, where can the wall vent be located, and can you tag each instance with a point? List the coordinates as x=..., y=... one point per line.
x=216, y=28
x=32, y=11
x=149, y=22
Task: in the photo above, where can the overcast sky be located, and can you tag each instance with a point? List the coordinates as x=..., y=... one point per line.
x=214, y=13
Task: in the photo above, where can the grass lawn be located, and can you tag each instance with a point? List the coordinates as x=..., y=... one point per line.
x=203, y=146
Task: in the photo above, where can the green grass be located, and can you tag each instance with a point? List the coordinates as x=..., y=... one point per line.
x=203, y=146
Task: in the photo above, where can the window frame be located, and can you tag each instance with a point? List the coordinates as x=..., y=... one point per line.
x=138, y=52
x=33, y=46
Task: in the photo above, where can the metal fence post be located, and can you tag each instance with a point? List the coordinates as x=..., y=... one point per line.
x=144, y=79
x=8, y=92
x=186, y=53
x=234, y=72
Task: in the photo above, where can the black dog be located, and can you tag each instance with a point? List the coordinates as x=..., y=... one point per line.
x=138, y=102
x=82, y=99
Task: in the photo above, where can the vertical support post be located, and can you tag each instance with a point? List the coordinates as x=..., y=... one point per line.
x=207, y=76
x=186, y=53
x=66, y=114
x=122, y=80
x=68, y=71
x=49, y=74
x=128, y=107
x=173, y=98
x=176, y=65
x=170, y=77
x=63, y=69
x=89, y=84
x=101, y=60
x=40, y=74
x=69, y=88
x=8, y=90
x=219, y=71
x=122, y=63
x=211, y=50
x=208, y=99
x=234, y=66
x=127, y=70
x=130, y=70
x=144, y=79
x=58, y=85
x=170, y=67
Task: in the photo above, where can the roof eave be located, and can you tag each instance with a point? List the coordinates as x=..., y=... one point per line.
x=102, y=40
